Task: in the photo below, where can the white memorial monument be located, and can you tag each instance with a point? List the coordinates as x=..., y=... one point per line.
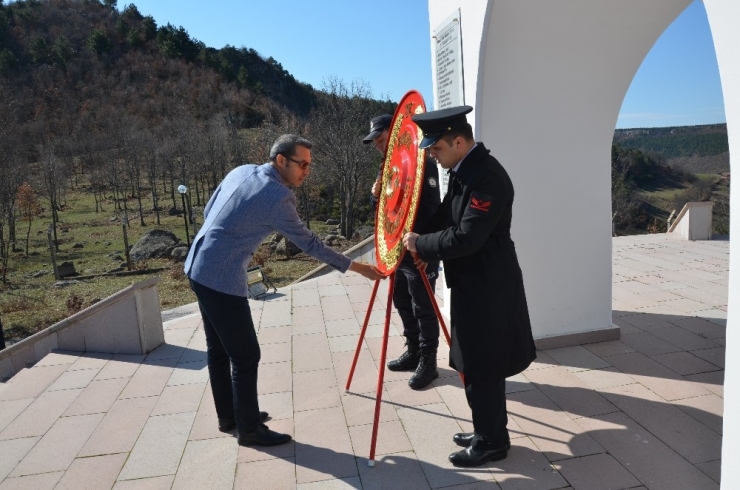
x=547, y=80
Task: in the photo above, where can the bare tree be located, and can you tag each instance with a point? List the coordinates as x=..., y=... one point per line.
x=52, y=175
x=28, y=206
x=178, y=150
x=133, y=150
x=337, y=126
x=98, y=183
x=12, y=172
x=214, y=156
x=258, y=141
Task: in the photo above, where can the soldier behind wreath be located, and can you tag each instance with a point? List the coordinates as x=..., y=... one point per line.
x=410, y=297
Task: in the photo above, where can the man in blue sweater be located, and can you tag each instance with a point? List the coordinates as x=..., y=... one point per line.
x=250, y=203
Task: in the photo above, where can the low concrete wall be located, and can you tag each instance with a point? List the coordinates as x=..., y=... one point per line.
x=363, y=252
x=694, y=222
x=127, y=322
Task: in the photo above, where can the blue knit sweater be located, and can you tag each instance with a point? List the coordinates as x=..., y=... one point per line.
x=250, y=203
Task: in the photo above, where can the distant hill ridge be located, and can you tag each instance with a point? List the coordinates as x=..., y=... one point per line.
x=695, y=149
x=72, y=60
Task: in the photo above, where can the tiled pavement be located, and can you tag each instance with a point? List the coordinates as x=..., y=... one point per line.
x=641, y=412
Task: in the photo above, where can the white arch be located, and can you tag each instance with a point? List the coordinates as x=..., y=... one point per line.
x=547, y=80
x=724, y=20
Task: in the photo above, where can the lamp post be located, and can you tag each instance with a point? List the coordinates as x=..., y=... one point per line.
x=183, y=190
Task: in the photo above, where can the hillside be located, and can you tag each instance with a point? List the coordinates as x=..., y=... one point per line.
x=694, y=149
x=71, y=67
x=663, y=168
x=646, y=190
x=86, y=89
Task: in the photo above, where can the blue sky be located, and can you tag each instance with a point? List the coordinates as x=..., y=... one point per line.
x=386, y=44
x=678, y=84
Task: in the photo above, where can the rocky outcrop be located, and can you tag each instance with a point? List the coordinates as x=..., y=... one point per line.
x=155, y=244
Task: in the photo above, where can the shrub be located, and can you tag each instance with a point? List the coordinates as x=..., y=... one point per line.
x=74, y=303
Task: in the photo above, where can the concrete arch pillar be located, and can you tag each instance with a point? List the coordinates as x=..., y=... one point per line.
x=547, y=80
x=724, y=21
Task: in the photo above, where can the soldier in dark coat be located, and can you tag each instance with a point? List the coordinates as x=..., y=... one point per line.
x=490, y=327
x=410, y=297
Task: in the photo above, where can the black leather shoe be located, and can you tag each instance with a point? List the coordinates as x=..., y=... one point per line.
x=469, y=457
x=227, y=425
x=464, y=439
x=262, y=436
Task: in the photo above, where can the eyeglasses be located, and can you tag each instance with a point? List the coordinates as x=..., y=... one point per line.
x=304, y=165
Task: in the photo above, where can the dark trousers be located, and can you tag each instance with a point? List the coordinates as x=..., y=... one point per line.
x=487, y=400
x=410, y=297
x=233, y=355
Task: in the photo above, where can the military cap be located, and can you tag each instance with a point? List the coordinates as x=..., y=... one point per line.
x=377, y=126
x=434, y=124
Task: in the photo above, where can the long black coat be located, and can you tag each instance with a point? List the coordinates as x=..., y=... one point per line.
x=429, y=200
x=491, y=332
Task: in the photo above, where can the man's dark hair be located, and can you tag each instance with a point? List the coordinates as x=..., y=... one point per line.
x=285, y=145
x=466, y=132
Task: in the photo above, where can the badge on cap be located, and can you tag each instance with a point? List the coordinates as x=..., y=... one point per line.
x=435, y=124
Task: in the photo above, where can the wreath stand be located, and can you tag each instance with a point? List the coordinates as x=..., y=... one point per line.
x=402, y=177
x=386, y=328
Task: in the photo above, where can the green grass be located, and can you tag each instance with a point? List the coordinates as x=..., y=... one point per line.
x=663, y=194
x=707, y=177
x=29, y=304
x=661, y=199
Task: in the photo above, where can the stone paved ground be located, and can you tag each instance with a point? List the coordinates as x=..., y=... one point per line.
x=641, y=412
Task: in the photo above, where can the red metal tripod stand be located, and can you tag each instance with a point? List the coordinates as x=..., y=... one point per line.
x=381, y=370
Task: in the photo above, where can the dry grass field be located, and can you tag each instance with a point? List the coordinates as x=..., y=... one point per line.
x=31, y=299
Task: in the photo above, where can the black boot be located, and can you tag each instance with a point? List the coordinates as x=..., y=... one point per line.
x=408, y=360
x=426, y=371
